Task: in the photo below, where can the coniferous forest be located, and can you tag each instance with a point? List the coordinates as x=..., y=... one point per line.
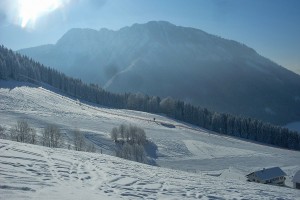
x=14, y=66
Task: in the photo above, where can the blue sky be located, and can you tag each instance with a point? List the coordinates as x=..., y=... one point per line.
x=271, y=27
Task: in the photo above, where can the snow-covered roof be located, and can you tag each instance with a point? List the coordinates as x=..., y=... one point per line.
x=296, y=178
x=269, y=173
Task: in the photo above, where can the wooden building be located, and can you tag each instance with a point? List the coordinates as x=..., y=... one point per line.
x=272, y=175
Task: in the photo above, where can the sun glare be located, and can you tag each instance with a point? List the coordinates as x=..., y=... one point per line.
x=31, y=10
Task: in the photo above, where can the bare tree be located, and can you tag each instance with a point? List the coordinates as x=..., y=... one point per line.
x=122, y=130
x=138, y=153
x=22, y=132
x=32, y=136
x=57, y=139
x=51, y=136
x=46, y=141
x=127, y=134
x=91, y=148
x=125, y=151
x=133, y=147
x=132, y=133
x=2, y=131
x=140, y=136
x=114, y=134
x=79, y=143
x=132, y=152
x=128, y=151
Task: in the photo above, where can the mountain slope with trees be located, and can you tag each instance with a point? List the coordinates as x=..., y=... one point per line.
x=21, y=68
x=161, y=59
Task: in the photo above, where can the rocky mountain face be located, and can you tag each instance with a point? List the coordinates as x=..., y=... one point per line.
x=159, y=58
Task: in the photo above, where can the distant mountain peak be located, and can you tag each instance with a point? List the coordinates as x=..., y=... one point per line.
x=160, y=58
x=74, y=35
x=161, y=23
x=152, y=23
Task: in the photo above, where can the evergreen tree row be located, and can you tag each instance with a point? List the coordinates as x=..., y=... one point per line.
x=21, y=68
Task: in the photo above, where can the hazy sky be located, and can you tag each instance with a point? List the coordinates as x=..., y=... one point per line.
x=271, y=27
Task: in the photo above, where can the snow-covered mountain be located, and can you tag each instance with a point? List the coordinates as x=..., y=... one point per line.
x=159, y=58
x=216, y=164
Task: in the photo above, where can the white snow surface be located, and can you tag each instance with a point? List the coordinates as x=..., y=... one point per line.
x=215, y=164
x=36, y=172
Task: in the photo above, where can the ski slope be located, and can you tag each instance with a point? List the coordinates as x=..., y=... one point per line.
x=36, y=172
x=180, y=146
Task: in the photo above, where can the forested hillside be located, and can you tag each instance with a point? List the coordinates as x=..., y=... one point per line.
x=161, y=59
x=21, y=68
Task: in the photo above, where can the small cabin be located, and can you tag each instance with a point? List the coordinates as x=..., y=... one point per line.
x=272, y=175
x=296, y=180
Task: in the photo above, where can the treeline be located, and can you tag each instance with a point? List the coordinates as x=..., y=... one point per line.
x=21, y=68
x=51, y=136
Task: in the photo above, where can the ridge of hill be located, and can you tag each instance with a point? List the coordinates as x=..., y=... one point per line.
x=180, y=146
x=162, y=59
x=20, y=68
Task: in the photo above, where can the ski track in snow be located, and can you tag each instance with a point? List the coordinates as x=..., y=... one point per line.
x=35, y=172
x=38, y=171
x=110, y=81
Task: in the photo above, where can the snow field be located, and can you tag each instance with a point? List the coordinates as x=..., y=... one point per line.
x=35, y=172
x=180, y=146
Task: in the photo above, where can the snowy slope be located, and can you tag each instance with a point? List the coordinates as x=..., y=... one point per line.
x=162, y=59
x=180, y=146
x=35, y=172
